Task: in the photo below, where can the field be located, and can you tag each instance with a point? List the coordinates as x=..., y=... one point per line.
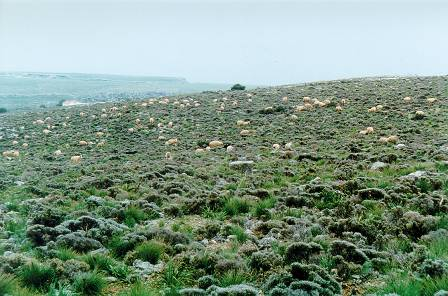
x=329, y=188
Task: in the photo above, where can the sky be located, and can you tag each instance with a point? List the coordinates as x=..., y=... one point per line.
x=248, y=41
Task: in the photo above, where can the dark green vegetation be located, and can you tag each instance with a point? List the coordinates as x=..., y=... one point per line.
x=290, y=203
x=238, y=87
x=3, y=110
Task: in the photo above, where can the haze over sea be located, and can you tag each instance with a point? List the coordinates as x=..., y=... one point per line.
x=23, y=91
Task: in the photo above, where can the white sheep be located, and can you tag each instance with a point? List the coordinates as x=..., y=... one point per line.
x=172, y=141
x=168, y=156
x=288, y=146
x=57, y=153
x=245, y=133
x=407, y=99
x=11, y=153
x=83, y=143
x=152, y=120
x=215, y=144
x=230, y=149
x=285, y=99
x=431, y=100
x=242, y=123
x=276, y=146
x=338, y=108
x=76, y=158
x=46, y=131
x=25, y=145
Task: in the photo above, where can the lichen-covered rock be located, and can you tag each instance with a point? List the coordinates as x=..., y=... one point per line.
x=434, y=268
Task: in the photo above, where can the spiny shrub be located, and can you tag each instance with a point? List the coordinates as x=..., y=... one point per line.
x=301, y=251
x=37, y=276
x=150, y=251
x=89, y=284
x=238, y=87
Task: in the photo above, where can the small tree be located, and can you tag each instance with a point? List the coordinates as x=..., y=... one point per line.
x=238, y=87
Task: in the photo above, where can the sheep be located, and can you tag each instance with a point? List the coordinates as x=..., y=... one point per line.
x=11, y=153
x=230, y=149
x=369, y=129
x=344, y=101
x=242, y=123
x=245, y=133
x=76, y=158
x=390, y=139
x=170, y=124
x=101, y=144
x=407, y=99
x=172, y=141
x=276, y=146
x=39, y=121
x=151, y=120
x=15, y=142
x=99, y=134
x=160, y=125
x=306, y=99
x=46, y=131
x=103, y=115
x=82, y=114
x=419, y=114
x=371, y=110
x=131, y=130
x=431, y=100
x=215, y=144
x=200, y=150
x=137, y=121
x=285, y=99
x=83, y=143
x=294, y=117
x=197, y=104
x=300, y=108
x=168, y=156
x=288, y=146
x=57, y=153
x=338, y=108
x=25, y=145
x=160, y=138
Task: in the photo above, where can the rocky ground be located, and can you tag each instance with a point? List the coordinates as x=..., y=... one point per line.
x=331, y=188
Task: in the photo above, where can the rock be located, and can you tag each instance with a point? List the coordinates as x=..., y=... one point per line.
x=378, y=165
x=415, y=175
x=146, y=268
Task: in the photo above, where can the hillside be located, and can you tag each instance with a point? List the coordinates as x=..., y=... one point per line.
x=329, y=188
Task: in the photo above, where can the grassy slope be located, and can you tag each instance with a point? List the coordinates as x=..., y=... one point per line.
x=326, y=144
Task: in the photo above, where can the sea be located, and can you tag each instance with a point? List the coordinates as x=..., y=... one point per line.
x=24, y=91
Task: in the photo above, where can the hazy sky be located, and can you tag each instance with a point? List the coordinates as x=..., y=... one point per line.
x=248, y=41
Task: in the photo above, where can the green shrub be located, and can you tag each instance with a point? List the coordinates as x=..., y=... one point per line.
x=239, y=233
x=37, y=276
x=234, y=277
x=3, y=110
x=7, y=284
x=89, y=284
x=133, y=215
x=261, y=209
x=107, y=264
x=150, y=251
x=65, y=254
x=139, y=289
x=119, y=246
x=234, y=206
x=238, y=87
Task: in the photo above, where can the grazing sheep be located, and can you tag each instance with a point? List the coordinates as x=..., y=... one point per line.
x=172, y=141
x=101, y=144
x=407, y=99
x=300, y=108
x=242, y=123
x=160, y=138
x=137, y=121
x=39, y=121
x=151, y=120
x=419, y=114
x=276, y=146
x=76, y=158
x=338, y=108
x=200, y=150
x=294, y=117
x=168, y=156
x=83, y=143
x=11, y=153
x=170, y=124
x=288, y=146
x=306, y=99
x=285, y=99
x=160, y=125
x=82, y=114
x=371, y=110
x=99, y=134
x=103, y=115
x=245, y=132
x=57, y=153
x=215, y=144
x=131, y=130
x=230, y=149
x=344, y=101
x=431, y=100
x=46, y=131
x=25, y=145
x=369, y=129
x=390, y=139
x=15, y=142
